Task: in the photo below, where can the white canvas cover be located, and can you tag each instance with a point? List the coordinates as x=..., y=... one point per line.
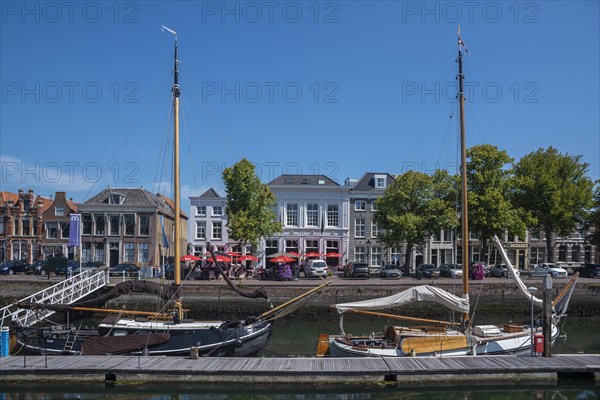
x=415, y=294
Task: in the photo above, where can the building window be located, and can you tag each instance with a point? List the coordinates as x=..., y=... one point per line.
x=59, y=211
x=129, y=224
x=537, y=255
x=312, y=246
x=51, y=230
x=201, y=211
x=2, y=228
x=144, y=225
x=143, y=250
x=129, y=252
x=116, y=198
x=200, y=230
x=291, y=214
x=434, y=256
x=291, y=245
x=575, y=254
x=360, y=205
x=359, y=254
x=87, y=224
x=374, y=205
x=86, y=252
x=562, y=253
x=333, y=215
x=114, y=222
x=65, y=229
x=380, y=181
x=217, y=229
x=26, y=225
x=359, y=227
x=217, y=210
x=99, y=224
x=375, y=230
x=312, y=214
x=376, y=256
x=99, y=252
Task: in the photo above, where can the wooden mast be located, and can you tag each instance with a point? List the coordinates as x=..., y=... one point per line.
x=463, y=176
x=176, y=192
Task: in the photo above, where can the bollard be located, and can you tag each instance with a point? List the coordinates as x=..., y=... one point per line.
x=194, y=352
x=4, y=342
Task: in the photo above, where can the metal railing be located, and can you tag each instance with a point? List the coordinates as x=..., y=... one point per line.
x=66, y=292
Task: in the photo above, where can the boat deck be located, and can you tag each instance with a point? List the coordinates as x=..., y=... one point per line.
x=374, y=370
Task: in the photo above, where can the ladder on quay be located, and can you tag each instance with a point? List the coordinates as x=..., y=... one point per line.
x=66, y=292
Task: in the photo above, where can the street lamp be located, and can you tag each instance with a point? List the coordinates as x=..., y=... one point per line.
x=531, y=291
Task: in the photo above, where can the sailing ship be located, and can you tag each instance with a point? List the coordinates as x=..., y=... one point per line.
x=432, y=337
x=150, y=333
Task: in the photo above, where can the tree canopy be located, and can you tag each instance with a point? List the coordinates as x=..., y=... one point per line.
x=414, y=206
x=250, y=205
x=555, y=190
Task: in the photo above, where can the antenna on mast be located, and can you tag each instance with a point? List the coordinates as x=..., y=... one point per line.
x=164, y=28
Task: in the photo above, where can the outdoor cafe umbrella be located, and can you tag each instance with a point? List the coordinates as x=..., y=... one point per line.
x=248, y=257
x=282, y=259
x=311, y=254
x=233, y=254
x=189, y=257
x=285, y=254
x=333, y=254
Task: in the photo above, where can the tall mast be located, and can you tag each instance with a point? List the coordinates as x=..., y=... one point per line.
x=463, y=177
x=176, y=194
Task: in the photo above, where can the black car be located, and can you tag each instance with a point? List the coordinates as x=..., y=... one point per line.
x=588, y=271
x=357, y=270
x=12, y=267
x=427, y=271
x=37, y=268
x=72, y=268
x=124, y=269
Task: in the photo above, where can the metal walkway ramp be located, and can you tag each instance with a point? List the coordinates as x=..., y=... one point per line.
x=65, y=292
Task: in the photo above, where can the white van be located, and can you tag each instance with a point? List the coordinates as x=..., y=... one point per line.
x=315, y=268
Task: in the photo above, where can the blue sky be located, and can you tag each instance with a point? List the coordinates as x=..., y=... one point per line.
x=337, y=88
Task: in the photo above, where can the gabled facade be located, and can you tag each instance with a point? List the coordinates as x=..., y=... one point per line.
x=21, y=225
x=208, y=222
x=364, y=245
x=56, y=221
x=126, y=225
x=314, y=212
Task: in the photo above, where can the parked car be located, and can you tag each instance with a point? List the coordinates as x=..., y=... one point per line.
x=315, y=268
x=472, y=269
x=12, y=267
x=589, y=271
x=70, y=269
x=92, y=266
x=37, y=268
x=357, y=270
x=548, y=268
x=501, y=271
x=124, y=269
x=451, y=270
x=390, y=271
x=427, y=271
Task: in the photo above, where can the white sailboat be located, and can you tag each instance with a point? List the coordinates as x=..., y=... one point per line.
x=433, y=337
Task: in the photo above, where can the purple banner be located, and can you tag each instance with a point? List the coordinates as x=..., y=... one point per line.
x=75, y=230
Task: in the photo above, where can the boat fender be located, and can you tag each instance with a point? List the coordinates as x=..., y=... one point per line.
x=238, y=343
x=372, y=335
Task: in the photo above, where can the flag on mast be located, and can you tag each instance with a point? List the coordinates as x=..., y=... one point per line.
x=164, y=235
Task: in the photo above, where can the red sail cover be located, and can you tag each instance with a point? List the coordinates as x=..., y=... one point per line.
x=114, y=345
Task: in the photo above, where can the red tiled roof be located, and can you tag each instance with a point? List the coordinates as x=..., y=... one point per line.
x=171, y=204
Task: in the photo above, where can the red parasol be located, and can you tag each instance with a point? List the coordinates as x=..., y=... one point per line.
x=333, y=254
x=189, y=257
x=281, y=259
x=311, y=254
x=248, y=257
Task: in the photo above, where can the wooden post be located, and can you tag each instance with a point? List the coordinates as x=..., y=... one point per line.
x=547, y=320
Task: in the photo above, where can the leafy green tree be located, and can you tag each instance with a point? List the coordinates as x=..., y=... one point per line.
x=488, y=185
x=250, y=205
x=414, y=206
x=554, y=188
x=594, y=219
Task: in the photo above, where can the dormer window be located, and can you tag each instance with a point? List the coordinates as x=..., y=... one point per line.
x=380, y=181
x=116, y=198
x=59, y=211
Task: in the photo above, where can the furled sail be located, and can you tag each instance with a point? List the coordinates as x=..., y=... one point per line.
x=414, y=294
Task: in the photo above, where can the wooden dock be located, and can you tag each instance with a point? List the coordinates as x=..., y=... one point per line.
x=423, y=370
